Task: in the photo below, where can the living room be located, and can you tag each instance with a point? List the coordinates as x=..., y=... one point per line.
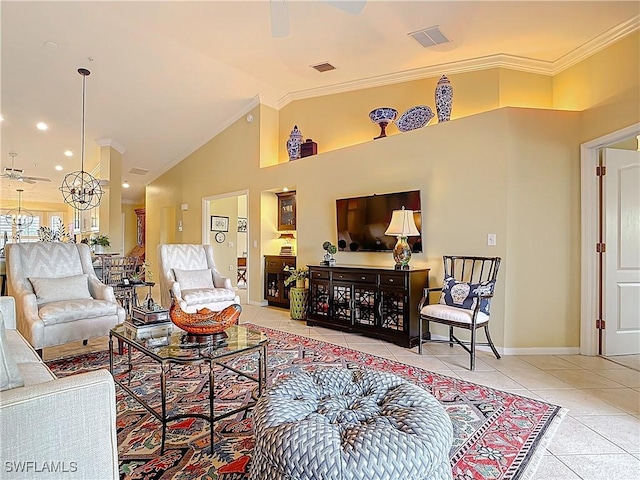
x=508, y=163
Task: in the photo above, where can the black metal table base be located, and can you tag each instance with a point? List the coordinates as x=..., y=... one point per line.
x=165, y=365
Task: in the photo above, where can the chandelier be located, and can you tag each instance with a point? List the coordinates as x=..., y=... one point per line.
x=20, y=218
x=80, y=189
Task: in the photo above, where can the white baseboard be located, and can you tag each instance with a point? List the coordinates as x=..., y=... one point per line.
x=262, y=303
x=523, y=350
x=542, y=351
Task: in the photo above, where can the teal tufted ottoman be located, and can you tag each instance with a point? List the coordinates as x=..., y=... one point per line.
x=342, y=424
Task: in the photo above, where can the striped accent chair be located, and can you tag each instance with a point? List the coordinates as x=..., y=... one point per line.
x=189, y=272
x=59, y=298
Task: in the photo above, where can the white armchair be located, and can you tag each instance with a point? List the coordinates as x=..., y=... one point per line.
x=58, y=297
x=190, y=273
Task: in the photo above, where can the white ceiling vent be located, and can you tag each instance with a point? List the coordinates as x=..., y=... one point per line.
x=429, y=37
x=323, y=67
x=139, y=171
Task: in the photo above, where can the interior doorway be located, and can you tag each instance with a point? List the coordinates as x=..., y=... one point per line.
x=600, y=290
x=225, y=226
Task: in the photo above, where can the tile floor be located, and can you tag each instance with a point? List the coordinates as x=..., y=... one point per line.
x=599, y=439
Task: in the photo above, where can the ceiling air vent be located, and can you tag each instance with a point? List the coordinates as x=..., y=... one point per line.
x=139, y=171
x=429, y=37
x=323, y=67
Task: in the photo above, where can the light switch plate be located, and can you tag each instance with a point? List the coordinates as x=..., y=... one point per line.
x=491, y=239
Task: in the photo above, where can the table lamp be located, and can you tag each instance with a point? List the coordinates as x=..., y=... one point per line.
x=402, y=226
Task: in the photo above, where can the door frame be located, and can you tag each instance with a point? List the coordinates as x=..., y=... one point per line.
x=589, y=200
x=206, y=212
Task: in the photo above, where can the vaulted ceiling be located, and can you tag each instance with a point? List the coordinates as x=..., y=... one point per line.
x=167, y=76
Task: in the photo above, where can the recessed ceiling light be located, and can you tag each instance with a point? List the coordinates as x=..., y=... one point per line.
x=1, y=118
x=68, y=153
x=125, y=184
x=42, y=126
x=285, y=189
x=58, y=167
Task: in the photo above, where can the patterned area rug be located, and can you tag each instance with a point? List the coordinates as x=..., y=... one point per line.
x=498, y=435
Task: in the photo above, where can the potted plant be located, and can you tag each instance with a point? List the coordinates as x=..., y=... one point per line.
x=297, y=275
x=99, y=243
x=331, y=249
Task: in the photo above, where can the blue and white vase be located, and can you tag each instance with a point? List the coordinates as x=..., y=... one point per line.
x=444, y=99
x=294, y=143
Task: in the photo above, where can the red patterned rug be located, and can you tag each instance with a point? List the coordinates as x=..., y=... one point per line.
x=498, y=435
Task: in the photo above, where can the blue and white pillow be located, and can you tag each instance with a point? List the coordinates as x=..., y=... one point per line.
x=465, y=295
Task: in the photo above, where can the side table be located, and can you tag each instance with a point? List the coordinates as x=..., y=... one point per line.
x=299, y=298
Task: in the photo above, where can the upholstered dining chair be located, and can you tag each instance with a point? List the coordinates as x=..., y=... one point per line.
x=189, y=272
x=465, y=296
x=58, y=297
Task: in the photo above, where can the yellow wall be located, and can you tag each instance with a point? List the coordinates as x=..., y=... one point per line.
x=509, y=171
x=521, y=89
x=605, y=85
x=341, y=120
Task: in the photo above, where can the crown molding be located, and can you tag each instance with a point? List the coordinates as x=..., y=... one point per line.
x=113, y=143
x=595, y=45
x=512, y=62
x=463, y=66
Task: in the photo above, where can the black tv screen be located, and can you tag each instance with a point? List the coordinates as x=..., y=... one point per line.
x=362, y=221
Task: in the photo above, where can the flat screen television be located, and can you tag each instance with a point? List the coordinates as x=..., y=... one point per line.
x=362, y=221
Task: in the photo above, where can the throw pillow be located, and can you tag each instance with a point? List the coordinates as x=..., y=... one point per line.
x=9, y=372
x=465, y=295
x=75, y=287
x=193, y=279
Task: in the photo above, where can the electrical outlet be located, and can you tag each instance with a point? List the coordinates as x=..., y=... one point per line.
x=491, y=239
x=255, y=244
x=230, y=244
x=231, y=268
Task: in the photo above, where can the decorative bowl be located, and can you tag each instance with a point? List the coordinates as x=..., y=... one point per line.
x=383, y=114
x=204, y=321
x=414, y=118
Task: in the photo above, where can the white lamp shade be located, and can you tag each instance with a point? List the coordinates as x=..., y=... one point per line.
x=402, y=224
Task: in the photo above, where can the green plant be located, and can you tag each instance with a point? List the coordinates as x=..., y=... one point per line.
x=329, y=247
x=102, y=240
x=146, y=271
x=295, y=274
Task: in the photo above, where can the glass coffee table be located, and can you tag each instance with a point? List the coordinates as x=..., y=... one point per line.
x=172, y=350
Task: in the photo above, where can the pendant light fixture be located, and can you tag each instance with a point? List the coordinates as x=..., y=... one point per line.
x=80, y=189
x=20, y=218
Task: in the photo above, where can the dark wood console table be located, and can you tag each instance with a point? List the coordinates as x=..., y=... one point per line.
x=377, y=302
x=275, y=291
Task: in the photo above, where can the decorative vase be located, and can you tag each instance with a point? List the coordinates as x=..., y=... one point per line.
x=298, y=298
x=294, y=142
x=382, y=116
x=444, y=99
x=98, y=249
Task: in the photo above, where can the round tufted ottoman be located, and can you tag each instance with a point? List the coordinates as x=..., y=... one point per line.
x=341, y=424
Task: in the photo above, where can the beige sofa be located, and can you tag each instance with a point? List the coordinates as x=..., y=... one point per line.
x=54, y=428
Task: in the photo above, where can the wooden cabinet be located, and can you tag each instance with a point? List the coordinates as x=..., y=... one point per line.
x=286, y=211
x=377, y=302
x=275, y=291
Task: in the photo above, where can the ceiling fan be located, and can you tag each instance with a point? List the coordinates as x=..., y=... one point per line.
x=280, y=13
x=17, y=174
